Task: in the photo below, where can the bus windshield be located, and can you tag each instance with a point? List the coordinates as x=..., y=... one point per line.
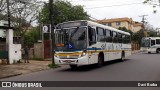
x=71, y=39
x=145, y=42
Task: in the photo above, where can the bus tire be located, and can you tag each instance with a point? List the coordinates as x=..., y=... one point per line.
x=100, y=60
x=73, y=66
x=122, y=56
x=158, y=50
x=149, y=52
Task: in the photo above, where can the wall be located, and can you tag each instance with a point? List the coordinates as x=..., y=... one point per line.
x=38, y=50
x=16, y=52
x=122, y=24
x=137, y=28
x=135, y=46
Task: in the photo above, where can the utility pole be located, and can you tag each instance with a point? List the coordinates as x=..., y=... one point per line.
x=143, y=29
x=52, y=30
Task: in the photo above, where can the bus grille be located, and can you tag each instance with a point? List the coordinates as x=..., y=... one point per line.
x=69, y=57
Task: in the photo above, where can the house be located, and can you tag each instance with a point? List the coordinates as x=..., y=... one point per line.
x=137, y=26
x=122, y=22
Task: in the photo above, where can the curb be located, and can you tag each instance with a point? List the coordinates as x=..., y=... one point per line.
x=134, y=52
x=11, y=75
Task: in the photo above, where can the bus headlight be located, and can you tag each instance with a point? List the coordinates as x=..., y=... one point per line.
x=55, y=55
x=84, y=53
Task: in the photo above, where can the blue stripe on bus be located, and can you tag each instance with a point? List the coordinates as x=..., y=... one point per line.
x=93, y=48
x=81, y=50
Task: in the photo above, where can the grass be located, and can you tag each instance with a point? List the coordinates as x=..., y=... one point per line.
x=53, y=66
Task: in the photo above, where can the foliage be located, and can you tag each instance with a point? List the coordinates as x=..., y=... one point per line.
x=152, y=34
x=2, y=5
x=63, y=11
x=53, y=66
x=125, y=29
x=31, y=37
x=22, y=14
x=137, y=36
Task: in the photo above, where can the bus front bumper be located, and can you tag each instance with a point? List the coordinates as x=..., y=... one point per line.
x=79, y=61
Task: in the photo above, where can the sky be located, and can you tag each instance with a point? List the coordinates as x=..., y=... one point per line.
x=107, y=9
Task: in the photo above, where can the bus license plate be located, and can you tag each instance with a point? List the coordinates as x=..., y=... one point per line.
x=67, y=61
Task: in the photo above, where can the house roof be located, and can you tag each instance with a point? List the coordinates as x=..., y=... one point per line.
x=138, y=24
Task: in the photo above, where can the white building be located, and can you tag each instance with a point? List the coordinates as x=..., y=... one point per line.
x=2, y=31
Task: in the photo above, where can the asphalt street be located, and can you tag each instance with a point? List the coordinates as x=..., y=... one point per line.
x=138, y=67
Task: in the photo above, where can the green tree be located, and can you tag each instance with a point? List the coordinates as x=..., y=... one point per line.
x=32, y=36
x=152, y=34
x=125, y=29
x=136, y=37
x=63, y=11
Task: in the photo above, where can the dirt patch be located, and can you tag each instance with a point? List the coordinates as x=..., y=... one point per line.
x=23, y=68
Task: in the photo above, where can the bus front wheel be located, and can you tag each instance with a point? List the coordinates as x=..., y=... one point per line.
x=100, y=61
x=158, y=50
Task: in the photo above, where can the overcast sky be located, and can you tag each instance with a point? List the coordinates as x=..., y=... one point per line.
x=101, y=9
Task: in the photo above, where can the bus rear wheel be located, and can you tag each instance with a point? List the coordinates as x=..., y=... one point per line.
x=158, y=50
x=73, y=66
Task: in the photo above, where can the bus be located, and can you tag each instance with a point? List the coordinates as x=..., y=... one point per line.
x=150, y=44
x=86, y=42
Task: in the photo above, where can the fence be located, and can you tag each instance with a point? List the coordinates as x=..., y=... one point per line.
x=135, y=46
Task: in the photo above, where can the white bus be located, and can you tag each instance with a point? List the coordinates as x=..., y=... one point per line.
x=86, y=42
x=150, y=44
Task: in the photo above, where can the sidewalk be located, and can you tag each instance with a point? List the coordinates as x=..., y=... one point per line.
x=135, y=51
x=23, y=68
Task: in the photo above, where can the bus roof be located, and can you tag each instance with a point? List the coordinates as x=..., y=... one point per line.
x=151, y=37
x=100, y=25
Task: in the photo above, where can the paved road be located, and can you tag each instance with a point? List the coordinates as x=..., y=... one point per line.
x=138, y=67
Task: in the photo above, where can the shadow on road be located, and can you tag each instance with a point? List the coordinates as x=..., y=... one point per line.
x=93, y=66
x=151, y=53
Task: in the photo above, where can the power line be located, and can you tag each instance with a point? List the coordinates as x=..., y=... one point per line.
x=114, y=5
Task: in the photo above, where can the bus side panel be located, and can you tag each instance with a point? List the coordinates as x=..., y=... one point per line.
x=109, y=47
x=127, y=48
x=93, y=58
x=116, y=51
x=93, y=54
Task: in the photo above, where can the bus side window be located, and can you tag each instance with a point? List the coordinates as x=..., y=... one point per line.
x=127, y=39
x=157, y=41
x=115, y=37
x=153, y=42
x=123, y=39
x=91, y=35
x=100, y=34
x=108, y=36
x=119, y=38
